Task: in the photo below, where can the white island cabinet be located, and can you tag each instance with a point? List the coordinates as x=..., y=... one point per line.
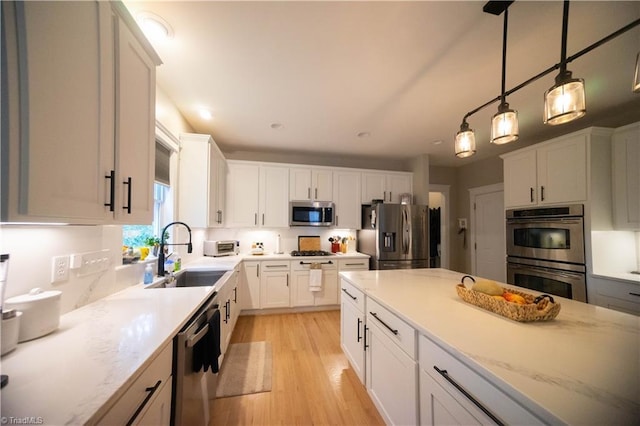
x=80, y=114
x=476, y=367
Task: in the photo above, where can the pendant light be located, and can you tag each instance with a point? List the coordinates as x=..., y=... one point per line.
x=504, y=125
x=565, y=101
x=636, y=76
x=465, y=144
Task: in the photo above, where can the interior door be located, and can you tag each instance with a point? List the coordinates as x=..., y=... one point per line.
x=489, y=235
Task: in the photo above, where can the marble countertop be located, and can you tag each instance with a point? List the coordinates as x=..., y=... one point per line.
x=73, y=375
x=581, y=368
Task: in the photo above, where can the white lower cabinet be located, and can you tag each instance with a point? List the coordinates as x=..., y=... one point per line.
x=391, y=368
x=452, y=393
x=352, y=327
x=148, y=399
x=250, y=285
x=621, y=296
x=229, y=309
x=300, y=277
x=274, y=284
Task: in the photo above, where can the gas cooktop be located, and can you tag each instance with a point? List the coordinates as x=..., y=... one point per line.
x=310, y=253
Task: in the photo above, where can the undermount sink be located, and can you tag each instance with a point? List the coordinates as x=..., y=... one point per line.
x=191, y=279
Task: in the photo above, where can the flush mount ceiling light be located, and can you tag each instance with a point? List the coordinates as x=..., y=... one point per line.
x=636, y=76
x=205, y=114
x=571, y=109
x=504, y=125
x=565, y=101
x=154, y=27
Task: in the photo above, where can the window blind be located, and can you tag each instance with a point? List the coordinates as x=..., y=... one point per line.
x=162, y=163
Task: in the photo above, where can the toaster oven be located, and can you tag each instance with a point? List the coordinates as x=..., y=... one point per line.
x=221, y=248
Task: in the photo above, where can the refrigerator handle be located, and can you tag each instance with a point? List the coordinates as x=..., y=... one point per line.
x=406, y=235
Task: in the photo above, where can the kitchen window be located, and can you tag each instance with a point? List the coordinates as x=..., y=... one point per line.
x=135, y=235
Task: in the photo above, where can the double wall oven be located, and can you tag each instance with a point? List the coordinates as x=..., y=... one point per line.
x=545, y=250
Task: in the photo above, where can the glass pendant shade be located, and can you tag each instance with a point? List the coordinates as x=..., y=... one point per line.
x=636, y=76
x=565, y=101
x=465, y=144
x=504, y=125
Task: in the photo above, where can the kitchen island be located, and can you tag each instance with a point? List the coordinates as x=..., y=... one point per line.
x=583, y=367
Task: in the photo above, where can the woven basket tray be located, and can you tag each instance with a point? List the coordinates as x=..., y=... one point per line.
x=543, y=310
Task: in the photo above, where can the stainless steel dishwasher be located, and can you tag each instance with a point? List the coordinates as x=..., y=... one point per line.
x=190, y=396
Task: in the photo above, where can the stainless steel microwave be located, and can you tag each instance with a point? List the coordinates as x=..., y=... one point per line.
x=311, y=213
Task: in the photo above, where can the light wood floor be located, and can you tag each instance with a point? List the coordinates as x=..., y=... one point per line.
x=312, y=384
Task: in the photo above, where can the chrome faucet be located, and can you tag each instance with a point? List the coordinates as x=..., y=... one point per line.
x=161, y=271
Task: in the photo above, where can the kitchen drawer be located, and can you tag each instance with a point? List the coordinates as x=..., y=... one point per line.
x=626, y=291
x=158, y=371
x=351, y=293
x=274, y=265
x=305, y=265
x=398, y=330
x=486, y=394
x=353, y=264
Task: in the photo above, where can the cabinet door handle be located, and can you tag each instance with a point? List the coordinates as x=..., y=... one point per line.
x=359, y=337
x=384, y=195
x=257, y=270
x=151, y=391
x=470, y=397
x=112, y=190
x=287, y=280
x=226, y=312
x=235, y=295
x=255, y=218
x=384, y=323
x=309, y=193
x=634, y=294
x=128, y=206
x=390, y=196
x=337, y=220
x=349, y=294
x=316, y=196
x=531, y=194
x=541, y=193
x=228, y=309
x=219, y=216
x=263, y=219
x=365, y=337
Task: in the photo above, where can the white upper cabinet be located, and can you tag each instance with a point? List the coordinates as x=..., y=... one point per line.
x=310, y=184
x=274, y=196
x=242, y=195
x=626, y=177
x=346, y=196
x=549, y=173
x=201, y=183
x=385, y=186
x=80, y=104
x=257, y=195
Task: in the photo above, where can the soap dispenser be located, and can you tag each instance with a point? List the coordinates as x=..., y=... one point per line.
x=148, y=274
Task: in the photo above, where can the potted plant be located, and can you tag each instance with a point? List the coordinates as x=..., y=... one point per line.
x=155, y=242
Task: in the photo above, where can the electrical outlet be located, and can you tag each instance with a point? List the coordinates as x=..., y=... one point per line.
x=59, y=269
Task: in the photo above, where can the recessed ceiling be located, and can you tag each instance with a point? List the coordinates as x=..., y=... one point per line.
x=403, y=73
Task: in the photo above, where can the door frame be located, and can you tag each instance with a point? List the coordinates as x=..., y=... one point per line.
x=444, y=223
x=473, y=193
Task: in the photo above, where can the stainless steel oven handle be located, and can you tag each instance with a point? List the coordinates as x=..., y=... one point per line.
x=567, y=274
x=561, y=220
x=192, y=340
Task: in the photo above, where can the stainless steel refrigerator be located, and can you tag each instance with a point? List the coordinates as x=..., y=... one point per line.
x=396, y=236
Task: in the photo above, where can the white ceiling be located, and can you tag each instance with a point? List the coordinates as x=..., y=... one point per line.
x=405, y=72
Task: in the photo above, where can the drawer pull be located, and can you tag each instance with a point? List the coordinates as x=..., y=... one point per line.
x=354, y=264
x=151, y=390
x=634, y=294
x=477, y=403
x=276, y=266
x=384, y=323
x=349, y=294
x=311, y=263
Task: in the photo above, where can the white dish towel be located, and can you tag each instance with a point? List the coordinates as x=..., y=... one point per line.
x=315, y=277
